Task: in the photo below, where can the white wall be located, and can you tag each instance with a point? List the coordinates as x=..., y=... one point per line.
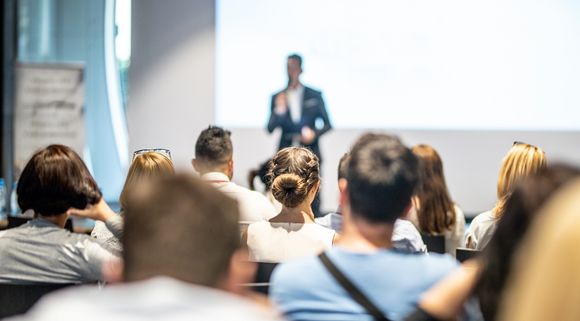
x=172, y=100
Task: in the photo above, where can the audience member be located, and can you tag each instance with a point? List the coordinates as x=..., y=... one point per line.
x=381, y=179
x=294, y=173
x=405, y=236
x=522, y=160
x=182, y=254
x=214, y=161
x=435, y=212
x=144, y=168
x=520, y=211
x=54, y=184
x=546, y=284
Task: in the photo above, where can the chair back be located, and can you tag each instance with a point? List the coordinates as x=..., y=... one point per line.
x=435, y=243
x=18, y=299
x=463, y=254
x=262, y=281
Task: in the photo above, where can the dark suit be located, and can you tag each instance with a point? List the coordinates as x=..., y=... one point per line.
x=312, y=109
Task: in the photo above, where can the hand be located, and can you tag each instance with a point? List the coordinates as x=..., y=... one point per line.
x=280, y=104
x=308, y=136
x=99, y=212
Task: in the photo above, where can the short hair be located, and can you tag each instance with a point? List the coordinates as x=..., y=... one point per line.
x=436, y=213
x=382, y=176
x=214, y=146
x=54, y=180
x=293, y=173
x=521, y=161
x=343, y=165
x=144, y=168
x=182, y=228
x=296, y=57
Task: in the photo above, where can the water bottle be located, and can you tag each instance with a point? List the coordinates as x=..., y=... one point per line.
x=14, y=208
x=3, y=212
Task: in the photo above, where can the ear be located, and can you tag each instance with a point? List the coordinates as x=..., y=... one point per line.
x=343, y=199
x=231, y=168
x=240, y=271
x=194, y=164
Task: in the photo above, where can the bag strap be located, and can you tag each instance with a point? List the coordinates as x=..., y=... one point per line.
x=351, y=289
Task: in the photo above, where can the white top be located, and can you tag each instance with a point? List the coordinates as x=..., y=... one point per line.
x=278, y=242
x=295, y=103
x=480, y=231
x=454, y=238
x=254, y=207
x=160, y=298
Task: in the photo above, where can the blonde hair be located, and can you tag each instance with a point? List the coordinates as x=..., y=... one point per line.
x=522, y=160
x=144, y=167
x=546, y=279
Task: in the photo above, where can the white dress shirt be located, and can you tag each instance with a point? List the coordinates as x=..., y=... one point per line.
x=253, y=206
x=160, y=298
x=295, y=96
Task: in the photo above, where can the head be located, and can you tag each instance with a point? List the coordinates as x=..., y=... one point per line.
x=294, y=68
x=295, y=176
x=381, y=179
x=214, y=152
x=145, y=168
x=546, y=284
x=434, y=207
x=522, y=160
x=184, y=229
x=521, y=209
x=342, y=171
x=54, y=180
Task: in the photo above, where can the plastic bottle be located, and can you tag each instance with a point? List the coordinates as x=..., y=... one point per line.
x=14, y=209
x=3, y=211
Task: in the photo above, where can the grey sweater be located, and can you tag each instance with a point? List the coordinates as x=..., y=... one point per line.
x=41, y=252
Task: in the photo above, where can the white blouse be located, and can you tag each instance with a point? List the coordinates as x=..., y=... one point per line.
x=278, y=242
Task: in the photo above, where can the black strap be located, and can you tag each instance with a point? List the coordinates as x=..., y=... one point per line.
x=352, y=290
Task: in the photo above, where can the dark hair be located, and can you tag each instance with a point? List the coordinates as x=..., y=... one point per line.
x=214, y=146
x=296, y=57
x=293, y=172
x=181, y=228
x=343, y=165
x=435, y=212
x=54, y=180
x=382, y=175
x=520, y=211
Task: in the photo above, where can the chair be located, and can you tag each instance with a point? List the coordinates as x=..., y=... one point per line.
x=18, y=299
x=463, y=254
x=435, y=243
x=15, y=221
x=262, y=281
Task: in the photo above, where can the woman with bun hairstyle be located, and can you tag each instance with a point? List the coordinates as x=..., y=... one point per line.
x=295, y=178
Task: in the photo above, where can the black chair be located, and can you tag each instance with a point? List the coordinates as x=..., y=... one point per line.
x=262, y=281
x=18, y=299
x=15, y=221
x=463, y=254
x=435, y=243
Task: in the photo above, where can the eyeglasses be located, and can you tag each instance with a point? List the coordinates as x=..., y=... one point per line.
x=163, y=151
x=517, y=142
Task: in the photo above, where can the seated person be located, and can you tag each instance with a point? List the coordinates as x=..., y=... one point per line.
x=182, y=260
x=54, y=182
x=381, y=178
x=144, y=167
x=521, y=161
x=435, y=212
x=214, y=162
x=406, y=237
x=294, y=173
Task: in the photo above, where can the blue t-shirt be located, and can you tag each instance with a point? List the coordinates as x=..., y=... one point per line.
x=304, y=290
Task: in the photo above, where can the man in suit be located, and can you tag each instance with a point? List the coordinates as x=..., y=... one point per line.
x=299, y=111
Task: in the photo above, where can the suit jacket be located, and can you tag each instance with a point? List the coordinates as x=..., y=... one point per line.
x=313, y=108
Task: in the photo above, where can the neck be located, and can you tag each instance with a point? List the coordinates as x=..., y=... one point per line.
x=294, y=84
x=216, y=170
x=299, y=214
x=359, y=235
x=59, y=220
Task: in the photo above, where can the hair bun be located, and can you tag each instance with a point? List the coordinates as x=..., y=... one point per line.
x=289, y=189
